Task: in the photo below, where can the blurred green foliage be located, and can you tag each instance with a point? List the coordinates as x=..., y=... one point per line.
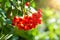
x=48, y=30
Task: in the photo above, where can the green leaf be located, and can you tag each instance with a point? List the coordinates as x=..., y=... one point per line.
x=33, y=4
x=0, y=0
x=8, y=4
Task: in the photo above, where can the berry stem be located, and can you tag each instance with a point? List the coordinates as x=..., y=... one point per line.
x=22, y=7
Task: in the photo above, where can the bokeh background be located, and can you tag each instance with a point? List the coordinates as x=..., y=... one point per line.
x=49, y=29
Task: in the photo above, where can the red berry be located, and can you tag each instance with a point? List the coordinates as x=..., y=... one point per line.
x=26, y=28
x=32, y=25
x=39, y=21
x=20, y=28
x=25, y=17
x=16, y=19
x=27, y=3
x=20, y=19
x=39, y=11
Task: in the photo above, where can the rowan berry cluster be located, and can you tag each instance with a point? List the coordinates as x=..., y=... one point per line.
x=27, y=22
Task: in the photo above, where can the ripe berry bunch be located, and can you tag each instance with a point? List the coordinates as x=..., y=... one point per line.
x=27, y=22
